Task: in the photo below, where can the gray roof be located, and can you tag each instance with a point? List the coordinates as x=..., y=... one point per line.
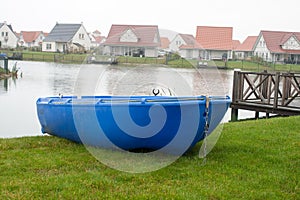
x=62, y=32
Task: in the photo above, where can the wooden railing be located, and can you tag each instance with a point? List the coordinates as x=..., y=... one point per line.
x=276, y=93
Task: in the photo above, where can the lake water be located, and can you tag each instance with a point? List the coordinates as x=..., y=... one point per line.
x=39, y=79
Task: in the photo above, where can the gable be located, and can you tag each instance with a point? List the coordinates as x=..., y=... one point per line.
x=142, y=35
x=6, y=30
x=178, y=40
x=291, y=44
x=129, y=36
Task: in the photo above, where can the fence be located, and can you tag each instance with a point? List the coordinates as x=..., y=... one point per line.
x=276, y=93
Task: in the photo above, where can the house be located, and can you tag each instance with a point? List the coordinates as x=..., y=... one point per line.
x=97, y=39
x=8, y=38
x=245, y=50
x=278, y=46
x=133, y=40
x=186, y=45
x=216, y=41
x=67, y=38
x=31, y=38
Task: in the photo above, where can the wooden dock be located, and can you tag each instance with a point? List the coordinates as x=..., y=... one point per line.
x=270, y=93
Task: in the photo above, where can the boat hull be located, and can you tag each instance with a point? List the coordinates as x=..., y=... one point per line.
x=173, y=124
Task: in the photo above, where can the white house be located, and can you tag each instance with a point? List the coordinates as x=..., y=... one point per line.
x=133, y=40
x=186, y=45
x=67, y=38
x=32, y=38
x=278, y=46
x=8, y=38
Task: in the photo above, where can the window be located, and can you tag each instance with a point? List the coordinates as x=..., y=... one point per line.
x=48, y=46
x=2, y=34
x=6, y=34
x=81, y=36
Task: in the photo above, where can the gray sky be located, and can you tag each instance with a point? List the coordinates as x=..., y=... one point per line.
x=246, y=17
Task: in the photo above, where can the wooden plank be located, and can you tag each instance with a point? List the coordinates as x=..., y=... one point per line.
x=276, y=89
x=287, y=111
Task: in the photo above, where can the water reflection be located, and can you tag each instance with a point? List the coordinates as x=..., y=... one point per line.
x=18, y=96
x=3, y=86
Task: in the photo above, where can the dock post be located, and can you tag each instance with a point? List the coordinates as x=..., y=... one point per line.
x=234, y=114
x=256, y=115
x=236, y=93
x=6, y=65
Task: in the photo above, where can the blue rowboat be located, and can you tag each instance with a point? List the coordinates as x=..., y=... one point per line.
x=169, y=124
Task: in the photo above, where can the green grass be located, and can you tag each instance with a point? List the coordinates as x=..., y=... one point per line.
x=252, y=66
x=177, y=63
x=252, y=160
x=138, y=60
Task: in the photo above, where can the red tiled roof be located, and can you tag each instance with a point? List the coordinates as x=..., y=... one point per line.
x=164, y=42
x=248, y=44
x=30, y=36
x=146, y=35
x=215, y=38
x=99, y=39
x=235, y=44
x=97, y=32
x=190, y=42
x=274, y=40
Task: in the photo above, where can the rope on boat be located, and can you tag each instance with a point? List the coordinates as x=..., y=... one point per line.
x=206, y=130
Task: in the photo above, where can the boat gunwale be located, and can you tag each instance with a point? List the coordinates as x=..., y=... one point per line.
x=132, y=101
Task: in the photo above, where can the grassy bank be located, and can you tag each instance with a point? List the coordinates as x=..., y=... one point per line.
x=175, y=62
x=253, y=66
x=252, y=160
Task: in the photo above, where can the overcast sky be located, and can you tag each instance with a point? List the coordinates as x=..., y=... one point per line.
x=183, y=16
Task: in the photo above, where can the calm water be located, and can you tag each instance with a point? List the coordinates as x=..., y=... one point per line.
x=40, y=79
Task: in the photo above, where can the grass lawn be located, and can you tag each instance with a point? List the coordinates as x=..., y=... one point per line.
x=177, y=63
x=252, y=160
x=252, y=66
